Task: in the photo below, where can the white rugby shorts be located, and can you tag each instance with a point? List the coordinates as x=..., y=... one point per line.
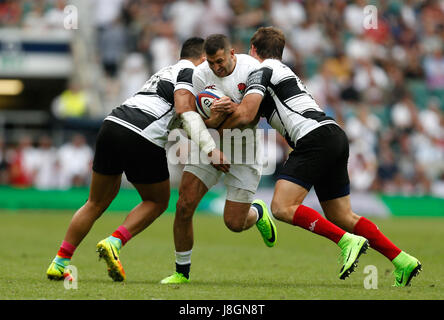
x=241, y=181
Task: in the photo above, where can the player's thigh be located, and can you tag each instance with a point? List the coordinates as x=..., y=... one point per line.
x=242, y=181
x=191, y=191
x=110, y=149
x=295, y=179
x=158, y=193
x=334, y=182
x=235, y=214
x=146, y=167
x=301, y=170
x=316, y=157
x=107, y=164
x=103, y=189
x=145, y=163
x=205, y=173
x=286, y=198
x=339, y=211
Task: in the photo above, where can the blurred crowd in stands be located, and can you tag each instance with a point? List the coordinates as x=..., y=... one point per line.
x=44, y=166
x=384, y=86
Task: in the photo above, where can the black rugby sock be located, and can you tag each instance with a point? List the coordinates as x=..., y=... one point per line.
x=184, y=269
x=260, y=212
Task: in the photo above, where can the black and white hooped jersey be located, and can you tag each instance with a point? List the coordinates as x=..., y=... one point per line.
x=288, y=106
x=150, y=112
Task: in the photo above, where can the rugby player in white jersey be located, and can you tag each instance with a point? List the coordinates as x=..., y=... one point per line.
x=225, y=71
x=131, y=140
x=319, y=159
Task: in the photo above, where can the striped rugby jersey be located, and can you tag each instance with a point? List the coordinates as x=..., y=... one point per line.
x=288, y=106
x=150, y=112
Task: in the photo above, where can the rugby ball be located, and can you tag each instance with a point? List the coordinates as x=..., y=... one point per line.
x=205, y=99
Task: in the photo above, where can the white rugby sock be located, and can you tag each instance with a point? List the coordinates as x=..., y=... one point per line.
x=257, y=212
x=183, y=257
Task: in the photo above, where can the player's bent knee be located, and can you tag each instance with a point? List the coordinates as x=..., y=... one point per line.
x=185, y=208
x=240, y=195
x=235, y=226
x=162, y=206
x=277, y=211
x=163, y=203
x=283, y=213
x=97, y=207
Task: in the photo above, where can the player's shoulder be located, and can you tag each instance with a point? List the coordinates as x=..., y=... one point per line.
x=203, y=70
x=170, y=72
x=277, y=68
x=268, y=66
x=184, y=69
x=273, y=64
x=184, y=64
x=245, y=59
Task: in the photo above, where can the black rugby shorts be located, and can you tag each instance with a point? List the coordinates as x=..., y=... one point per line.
x=118, y=150
x=320, y=159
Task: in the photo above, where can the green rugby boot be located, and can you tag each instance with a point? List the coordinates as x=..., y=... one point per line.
x=406, y=267
x=175, y=278
x=265, y=224
x=352, y=247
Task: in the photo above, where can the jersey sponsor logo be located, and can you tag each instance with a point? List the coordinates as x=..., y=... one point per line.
x=255, y=77
x=242, y=86
x=213, y=87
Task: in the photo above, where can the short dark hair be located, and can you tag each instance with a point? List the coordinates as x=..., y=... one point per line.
x=269, y=42
x=215, y=42
x=192, y=48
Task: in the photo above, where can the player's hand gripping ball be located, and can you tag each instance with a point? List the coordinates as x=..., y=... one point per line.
x=204, y=101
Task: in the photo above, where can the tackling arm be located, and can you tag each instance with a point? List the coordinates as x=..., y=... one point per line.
x=215, y=120
x=245, y=113
x=196, y=130
x=192, y=121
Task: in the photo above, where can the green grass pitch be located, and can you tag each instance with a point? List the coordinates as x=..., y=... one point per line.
x=225, y=265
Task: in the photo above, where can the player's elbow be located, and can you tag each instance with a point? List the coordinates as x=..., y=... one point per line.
x=183, y=101
x=181, y=111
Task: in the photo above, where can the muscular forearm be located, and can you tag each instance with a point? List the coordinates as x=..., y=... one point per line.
x=244, y=113
x=215, y=120
x=236, y=120
x=197, y=132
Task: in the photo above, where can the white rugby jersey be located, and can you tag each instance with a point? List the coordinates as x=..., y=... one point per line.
x=150, y=112
x=288, y=106
x=233, y=86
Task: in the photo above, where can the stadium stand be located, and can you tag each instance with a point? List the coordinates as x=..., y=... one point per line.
x=385, y=86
